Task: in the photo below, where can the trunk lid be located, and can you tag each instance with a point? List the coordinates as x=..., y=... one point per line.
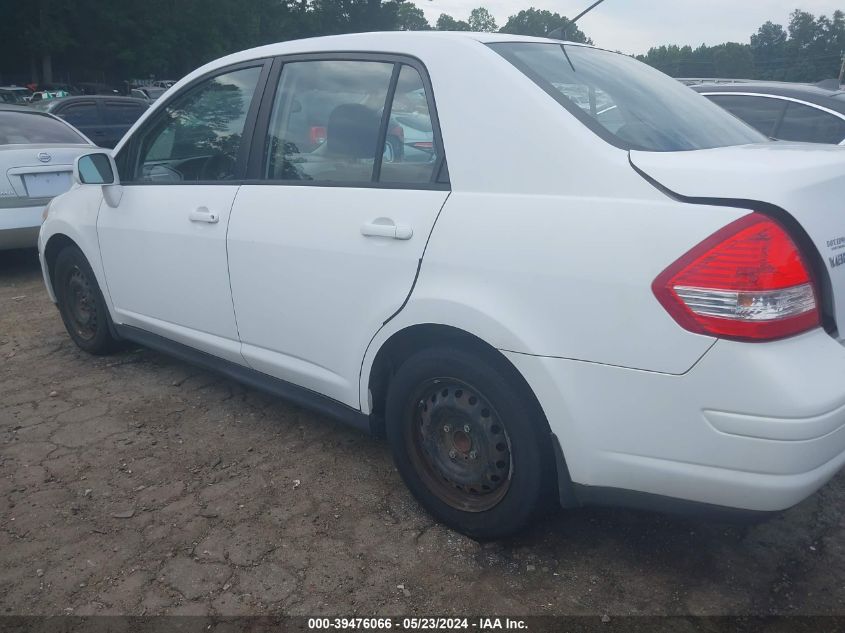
x=806, y=181
x=37, y=171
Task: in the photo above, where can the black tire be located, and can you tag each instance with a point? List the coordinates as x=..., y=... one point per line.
x=81, y=303
x=509, y=481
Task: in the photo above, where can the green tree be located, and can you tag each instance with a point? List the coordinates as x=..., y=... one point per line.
x=448, y=23
x=480, y=19
x=733, y=60
x=768, y=48
x=540, y=23
x=409, y=17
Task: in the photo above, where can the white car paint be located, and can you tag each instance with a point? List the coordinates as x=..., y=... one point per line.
x=547, y=256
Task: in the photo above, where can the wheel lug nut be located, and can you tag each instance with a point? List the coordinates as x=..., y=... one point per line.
x=466, y=428
x=446, y=428
x=473, y=454
x=453, y=453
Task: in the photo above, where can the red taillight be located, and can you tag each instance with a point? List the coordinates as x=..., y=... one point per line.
x=748, y=281
x=398, y=131
x=318, y=135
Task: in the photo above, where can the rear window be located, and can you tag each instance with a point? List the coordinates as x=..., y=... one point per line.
x=20, y=128
x=627, y=103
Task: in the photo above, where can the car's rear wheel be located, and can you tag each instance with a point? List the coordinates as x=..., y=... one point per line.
x=469, y=443
x=81, y=303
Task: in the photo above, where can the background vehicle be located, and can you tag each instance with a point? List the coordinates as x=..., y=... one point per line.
x=37, y=151
x=645, y=313
x=104, y=119
x=147, y=93
x=14, y=94
x=47, y=95
x=94, y=88
x=785, y=111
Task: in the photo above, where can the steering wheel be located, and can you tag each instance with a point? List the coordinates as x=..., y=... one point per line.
x=218, y=167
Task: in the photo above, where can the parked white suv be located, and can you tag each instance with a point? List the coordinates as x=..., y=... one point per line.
x=635, y=304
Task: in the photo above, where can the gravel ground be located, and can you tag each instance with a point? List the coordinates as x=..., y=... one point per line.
x=137, y=484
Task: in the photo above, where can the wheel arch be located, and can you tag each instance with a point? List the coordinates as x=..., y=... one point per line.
x=403, y=343
x=55, y=244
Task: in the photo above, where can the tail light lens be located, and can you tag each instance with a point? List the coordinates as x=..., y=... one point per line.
x=318, y=135
x=748, y=281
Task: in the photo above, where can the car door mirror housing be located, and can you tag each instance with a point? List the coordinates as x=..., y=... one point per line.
x=97, y=168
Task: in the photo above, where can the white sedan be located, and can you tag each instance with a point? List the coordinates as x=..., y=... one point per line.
x=597, y=287
x=37, y=152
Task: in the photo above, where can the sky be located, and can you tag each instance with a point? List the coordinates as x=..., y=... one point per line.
x=634, y=26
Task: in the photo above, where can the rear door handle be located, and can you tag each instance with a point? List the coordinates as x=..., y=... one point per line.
x=385, y=227
x=202, y=214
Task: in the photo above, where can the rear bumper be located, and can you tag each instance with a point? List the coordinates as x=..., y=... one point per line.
x=19, y=225
x=751, y=426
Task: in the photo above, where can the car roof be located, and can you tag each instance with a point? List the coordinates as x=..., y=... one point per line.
x=387, y=42
x=832, y=99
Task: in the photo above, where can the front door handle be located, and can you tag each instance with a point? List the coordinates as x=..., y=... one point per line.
x=385, y=227
x=202, y=214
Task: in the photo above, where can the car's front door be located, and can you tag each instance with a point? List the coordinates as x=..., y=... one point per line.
x=324, y=246
x=164, y=245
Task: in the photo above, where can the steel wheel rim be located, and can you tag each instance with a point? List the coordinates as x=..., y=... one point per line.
x=459, y=445
x=82, y=309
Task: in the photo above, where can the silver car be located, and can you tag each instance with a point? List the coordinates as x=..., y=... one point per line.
x=37, y=151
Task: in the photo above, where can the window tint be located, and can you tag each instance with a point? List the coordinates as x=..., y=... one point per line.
x=761, y=113
x=122, y=113
x=811, y=125
x=31, y=127
x=198, y=135
x=624, y=101
x=410, y=153
x=326, y=121
x=79, y=114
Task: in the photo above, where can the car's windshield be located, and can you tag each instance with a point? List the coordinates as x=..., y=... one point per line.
x=626, y=102
x=20, y=128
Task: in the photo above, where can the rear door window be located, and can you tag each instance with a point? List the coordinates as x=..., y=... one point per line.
x=122, y=113
x=761, y=113
x=326, y=121
x=810, y=125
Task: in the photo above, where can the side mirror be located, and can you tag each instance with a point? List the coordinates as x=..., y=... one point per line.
x=98, y=168
x=95, y=169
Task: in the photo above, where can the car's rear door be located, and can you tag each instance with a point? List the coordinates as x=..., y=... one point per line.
x=164, y=245
x=326, y=238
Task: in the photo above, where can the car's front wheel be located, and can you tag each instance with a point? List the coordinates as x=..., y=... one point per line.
x=469, y=443
x=81, y=303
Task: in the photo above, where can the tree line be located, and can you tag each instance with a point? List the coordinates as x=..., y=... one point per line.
x=809, y=49
x=106, y=41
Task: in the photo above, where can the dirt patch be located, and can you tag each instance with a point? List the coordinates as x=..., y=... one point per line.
x=138, y=484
